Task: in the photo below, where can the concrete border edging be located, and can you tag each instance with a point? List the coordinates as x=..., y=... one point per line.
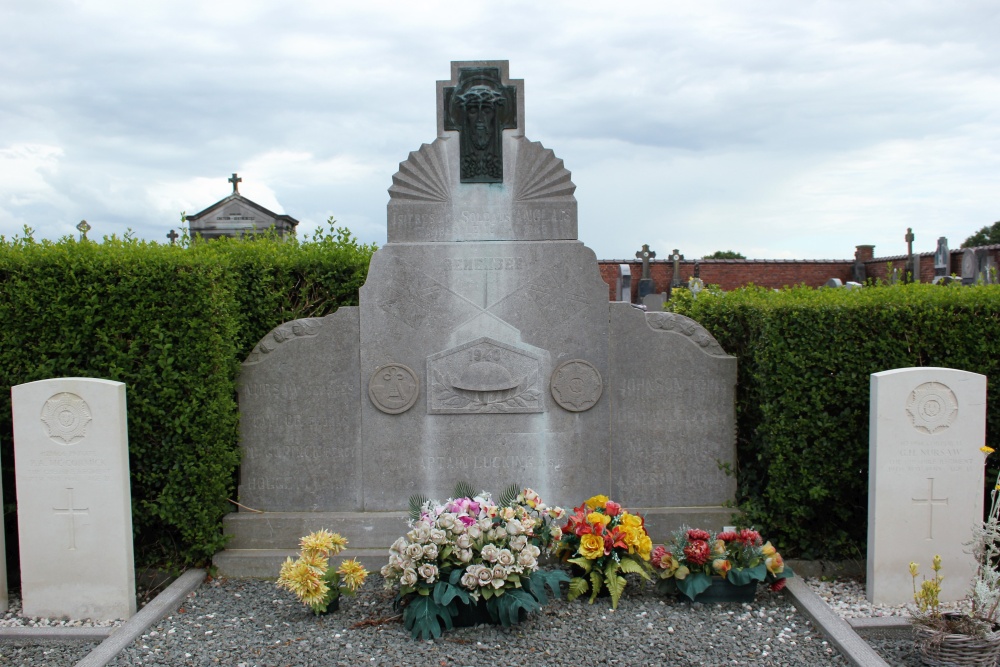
x=53, y=635
x=837, y=630
x=165, y=603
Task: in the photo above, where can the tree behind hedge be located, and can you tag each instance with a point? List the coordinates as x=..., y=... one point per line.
x=805, y=361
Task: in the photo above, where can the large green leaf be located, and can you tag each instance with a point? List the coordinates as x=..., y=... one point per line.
x=693, y=584
x=632, y=566
x=445, y=593
x=577, y=587
x=746, y=575
x=507, y=607
x=423, y=617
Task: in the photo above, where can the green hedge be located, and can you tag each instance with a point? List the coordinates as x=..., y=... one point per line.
x=805, y=360
x=172, y=323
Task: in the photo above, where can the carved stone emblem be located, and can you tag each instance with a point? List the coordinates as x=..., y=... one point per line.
x=484, y=376
x=393, y=388
x=66, y=417
x=480, y=107
x=932, y=407
x=576, y=385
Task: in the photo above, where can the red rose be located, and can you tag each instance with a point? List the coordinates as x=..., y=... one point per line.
x=611, y=508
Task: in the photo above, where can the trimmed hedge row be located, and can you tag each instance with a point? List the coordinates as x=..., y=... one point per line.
x=805, y=360
x=172, y=323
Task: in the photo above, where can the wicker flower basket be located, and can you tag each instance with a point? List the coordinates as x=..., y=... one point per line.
x=944, y=649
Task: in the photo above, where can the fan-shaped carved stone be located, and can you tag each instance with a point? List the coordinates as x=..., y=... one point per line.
x=688, y=327
x=540, y=174
x=424, y=175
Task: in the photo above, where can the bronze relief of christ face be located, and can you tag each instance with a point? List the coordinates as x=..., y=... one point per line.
x=480, y=107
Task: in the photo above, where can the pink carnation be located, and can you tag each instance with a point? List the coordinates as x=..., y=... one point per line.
x=698, y=534
x=657, y=556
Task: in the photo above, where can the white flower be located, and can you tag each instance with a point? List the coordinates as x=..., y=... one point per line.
x=388, y=571
x=507, y=513
x=464, y=555
x=500, y=532
x=446, y=521
x=514, y=527
x=438, y=536
x=409, y=577
x=533, y=550
x=485, y=523
x=420, y=533
x=505, y=557
x=459, y=528
x=430, y=551
x=428, y=572
x=485, y=576
x=519, y=542
x=469, y=580
x=414, y=551
x=398, y=545
x=490, y=552
x=474, y=531
x=499, y=576
x=525, y=559
x=463, y=541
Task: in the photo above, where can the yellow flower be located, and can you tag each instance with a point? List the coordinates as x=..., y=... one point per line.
x=353, y=574
x=645, y=547
x=682, y=572
x=913, y=569
x=303, y=579
x=591, y=546
x=595, y=518
x=768, y=550
x=719, y=548
x=775, y=564
x=936, y=564
x=631, y=520
x=323, y=541
x=722, y=566
x=986, y=450
x=597, y=502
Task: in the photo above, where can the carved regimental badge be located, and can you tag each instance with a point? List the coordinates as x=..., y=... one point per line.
x=932, y=407
x=576, y=385
x=65, y=417
x=393, y=388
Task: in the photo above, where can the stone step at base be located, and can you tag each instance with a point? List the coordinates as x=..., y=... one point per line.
x=266, y=563
x=282, y=530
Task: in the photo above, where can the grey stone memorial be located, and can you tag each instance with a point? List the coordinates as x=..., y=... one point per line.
x=970, y=266
x=833, y=282
x=484, y=349
x=675, y=258
x=942, y=258
x=646, y=284
x=986, y=268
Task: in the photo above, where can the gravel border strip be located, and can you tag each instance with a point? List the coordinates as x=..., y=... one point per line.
x=165, y=603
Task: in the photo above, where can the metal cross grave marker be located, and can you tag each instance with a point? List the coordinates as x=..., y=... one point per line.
x=236, y=180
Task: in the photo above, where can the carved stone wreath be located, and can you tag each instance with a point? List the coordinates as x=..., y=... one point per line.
x=65, y=417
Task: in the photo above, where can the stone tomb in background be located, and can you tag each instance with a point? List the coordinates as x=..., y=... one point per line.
x=925, y=488
x=74, y=509
x=484, y=349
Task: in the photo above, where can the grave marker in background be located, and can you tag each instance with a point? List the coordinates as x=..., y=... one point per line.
x=925, y=488
x=74, y=509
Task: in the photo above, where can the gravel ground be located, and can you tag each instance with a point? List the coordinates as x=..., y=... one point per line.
x=243, y=623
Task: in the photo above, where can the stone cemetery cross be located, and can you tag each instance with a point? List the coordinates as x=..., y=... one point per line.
x=235, y=180
x=645, y=255
x=676, y=257
x=84, y=228
x=173, y=237
x=909, y=238
x=480, y=107
x=930, y=501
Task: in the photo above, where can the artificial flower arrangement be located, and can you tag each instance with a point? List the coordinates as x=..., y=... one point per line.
x=311, y=578
x=694, y=556
x=470, y=552
x=605, y=542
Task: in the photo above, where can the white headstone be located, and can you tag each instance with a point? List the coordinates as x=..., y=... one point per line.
x=74, y=508
x=925, y=479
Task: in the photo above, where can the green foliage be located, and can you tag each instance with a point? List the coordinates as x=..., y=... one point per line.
x=988, y=235
x=511, y=607
x=424, y=617
x=805, y=361
x=725, y=254
x=694, y=584
x=417, y=502
x=172, y=323
x=509, y=495
x=464, y=490
x=540, y=579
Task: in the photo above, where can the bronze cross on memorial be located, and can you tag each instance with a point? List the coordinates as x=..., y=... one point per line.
x=676, y=256
x=480, y=108
x=645, y=255
x=236, y=180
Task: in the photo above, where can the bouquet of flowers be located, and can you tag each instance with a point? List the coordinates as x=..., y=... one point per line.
x=694, y=556
x=471, y=550
x=311, y=578
x=605, y=542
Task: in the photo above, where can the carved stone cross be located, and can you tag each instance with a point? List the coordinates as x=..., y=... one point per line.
x=480, y=108
x=173, y=237
x=930, y=501
x=909, y=238
x=236, y=180
x=676, y=256
x=72, y=512
x=84, y=228
x=645, y=255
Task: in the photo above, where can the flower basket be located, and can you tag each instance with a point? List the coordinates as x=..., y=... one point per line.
x=942, y=648
x=723, y=590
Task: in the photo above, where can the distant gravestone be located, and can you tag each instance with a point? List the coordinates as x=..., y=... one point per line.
x=970, y=266
x=926, y=474
x=833, y=282
x=646, y=284
x=74, y=511
x=654, y=302
x=942, y=258
x=985, y=267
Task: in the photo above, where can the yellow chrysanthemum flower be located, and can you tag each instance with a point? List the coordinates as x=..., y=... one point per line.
x=303, y=579
x=597, y=502
x=352, y=573
x=323, y=541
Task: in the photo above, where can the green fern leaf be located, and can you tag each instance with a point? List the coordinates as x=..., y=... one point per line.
x=464, y=490
x=616, y=586
x=416, y=505
x=596, y=582
x=585, y=563
x=630, y=566
x=577, y=587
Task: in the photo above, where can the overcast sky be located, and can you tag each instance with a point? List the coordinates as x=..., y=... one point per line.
x=781, y=129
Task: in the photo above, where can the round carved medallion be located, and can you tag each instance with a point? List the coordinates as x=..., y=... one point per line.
x=393, y=388
x=65, y=417
x=932, y=407
x=576, y=385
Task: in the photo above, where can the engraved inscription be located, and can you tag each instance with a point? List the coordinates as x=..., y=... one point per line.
x=484, y=376
x=72, y=511
x=393, y=388
x=66, y=416
x=576, y=385
x=932, y=407
x=484, y=264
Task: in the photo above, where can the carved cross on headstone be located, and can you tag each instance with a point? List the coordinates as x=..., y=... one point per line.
x=480, y=108
x=645, y=255
x=72, y=512
x=84, y=228
x=930, y=501
x=676, y=256
x=173, y=237
x=236, y=180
